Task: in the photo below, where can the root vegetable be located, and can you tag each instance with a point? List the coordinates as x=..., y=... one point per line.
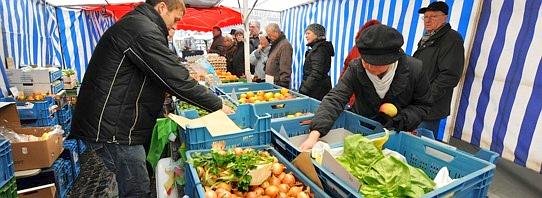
x=277, y=168
x=272, y=191
x=289, y=179
x=284, y=188
x=210, y=194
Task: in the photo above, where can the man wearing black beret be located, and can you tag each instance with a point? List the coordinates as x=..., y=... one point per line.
x=383, y=74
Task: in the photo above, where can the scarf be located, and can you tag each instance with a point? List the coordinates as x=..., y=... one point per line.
x=382, y=85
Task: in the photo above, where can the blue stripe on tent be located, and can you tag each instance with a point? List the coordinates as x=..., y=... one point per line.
x=489, y=75
x=513, y=77
x=402, y=17
x=62, y=31
x=364, y=12
x=380, y=10
x=534, y=107
x=391, y=13
x=464, y=20
x=470, y=73
x=412, y=32
x=73, y=40
x=370, y=10
x=37, y=37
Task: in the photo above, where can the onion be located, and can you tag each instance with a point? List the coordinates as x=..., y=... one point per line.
x=294, y=191
x=288, y=179
x=281, y=176
x=284, y=188
x=223, y=193
x=225, y=186
x=282, y=195
x=302, y=195
x=210, y=194
x=274, y=181
x=238, y=151
x=201, y=171
x=277, y=168
x=272, y=191
x=251, y=195
x=259, y=191
x=265, y=184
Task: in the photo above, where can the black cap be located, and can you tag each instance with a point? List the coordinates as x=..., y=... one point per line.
x=380, y=45
x=435, y=6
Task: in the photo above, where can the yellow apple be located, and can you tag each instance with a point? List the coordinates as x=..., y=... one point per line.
x=250, y=94
x=284, y=91
x=388, y=109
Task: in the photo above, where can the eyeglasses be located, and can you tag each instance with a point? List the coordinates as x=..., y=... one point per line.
x=433, y=17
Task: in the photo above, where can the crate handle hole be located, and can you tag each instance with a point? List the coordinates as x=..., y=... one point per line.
x=278, y=106
x=438, y=154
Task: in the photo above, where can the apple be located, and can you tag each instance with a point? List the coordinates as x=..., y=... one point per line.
x=243, y=96
x=298, y=114
x=284, y=91
x=250, y=94
x=290, y=116
x=388, y=109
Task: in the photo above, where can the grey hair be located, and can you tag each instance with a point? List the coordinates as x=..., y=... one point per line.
x=255, y=23
x=273, y=27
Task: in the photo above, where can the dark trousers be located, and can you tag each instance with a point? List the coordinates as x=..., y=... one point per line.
x=129, y=165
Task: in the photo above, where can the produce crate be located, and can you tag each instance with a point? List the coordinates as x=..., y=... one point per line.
x=194, y=188
x=473, y=176
x=9, y=190
x=63, y=176
x=255, y=131
x=243, y=87
x=193, y=113
x=64, y=115
x=293, y=127
x=6, y=162
x=235, y=98
x=71, y=154
x=50, y=121
x=282, y=108
x=34, y=109
x=67, y=127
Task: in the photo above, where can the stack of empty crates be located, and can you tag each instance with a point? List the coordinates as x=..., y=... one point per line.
x=8, y=187
x=39, y=80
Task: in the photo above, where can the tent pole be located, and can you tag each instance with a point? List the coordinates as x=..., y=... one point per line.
x=248, y=75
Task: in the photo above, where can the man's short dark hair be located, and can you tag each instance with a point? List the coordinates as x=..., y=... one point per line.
x=171, y=4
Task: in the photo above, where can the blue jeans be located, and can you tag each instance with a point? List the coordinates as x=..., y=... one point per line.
x=129, y=165
x=432, y=125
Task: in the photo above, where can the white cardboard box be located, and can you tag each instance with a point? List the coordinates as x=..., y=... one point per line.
x=35, y=75
x=29, y=88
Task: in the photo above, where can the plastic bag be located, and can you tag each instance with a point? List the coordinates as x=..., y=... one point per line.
x=10, y=135
x=443, y=178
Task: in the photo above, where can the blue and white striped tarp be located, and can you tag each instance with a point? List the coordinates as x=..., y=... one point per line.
x=502, y=96
x=343, y=18
x=35, y=33
x=79, y=33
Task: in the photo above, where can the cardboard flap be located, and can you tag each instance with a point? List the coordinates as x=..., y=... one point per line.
x=9, y=116
x=304, y=163
x=331, y=164
x=218, y=123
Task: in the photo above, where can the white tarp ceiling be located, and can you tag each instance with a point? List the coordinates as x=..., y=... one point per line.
x=89, y=2
x=271, y=5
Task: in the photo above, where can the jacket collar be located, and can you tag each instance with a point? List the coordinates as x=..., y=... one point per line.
x=275, y=43
x=399, y=84
x=432, y=40
x=149, y=11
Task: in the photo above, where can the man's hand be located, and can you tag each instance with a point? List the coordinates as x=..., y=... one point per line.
x=310, y=141
x=227, y=109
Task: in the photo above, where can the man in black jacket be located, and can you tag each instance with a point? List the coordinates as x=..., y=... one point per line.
x=442, y=53
x=384, y=74
x=124, y=87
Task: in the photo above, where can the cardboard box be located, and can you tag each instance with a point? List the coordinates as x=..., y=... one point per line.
x=45, y=191
x=71, y=78
x=70, y=84
x=39, y=75
x=30, y=155
x=29, y=88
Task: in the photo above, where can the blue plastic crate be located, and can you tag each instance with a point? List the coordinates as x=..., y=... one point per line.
x=71, y=154
x=193, y=113
x=194, y=188
x=50, y=121
x=293, y=127
x=244, y=87
x=56, y=88
x=280, y=109
x=6, y=162
x=55, y=75
x=63, y=176
x=255, y=131
x=33, y=110
x=64, y=115
x=82, y=146
x=67, y=127
x=473, y=175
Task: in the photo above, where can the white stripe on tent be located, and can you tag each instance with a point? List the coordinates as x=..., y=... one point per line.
x=535, y=159
x=481, y=66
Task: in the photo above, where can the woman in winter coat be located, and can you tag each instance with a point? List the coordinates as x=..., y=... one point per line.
x=258, y=58
x=383, y=74
x=237, y=64
x=316, y=81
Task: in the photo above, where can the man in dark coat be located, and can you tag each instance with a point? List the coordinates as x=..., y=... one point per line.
x=443, y=55
x=279, y=61
x=384, y=74
x=316, y=81
x=124, y=87
x=217, y=46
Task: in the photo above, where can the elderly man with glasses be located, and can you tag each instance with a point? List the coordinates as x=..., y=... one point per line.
x=443, y=55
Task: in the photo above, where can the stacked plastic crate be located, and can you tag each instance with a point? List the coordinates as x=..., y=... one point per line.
x=8, y=188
